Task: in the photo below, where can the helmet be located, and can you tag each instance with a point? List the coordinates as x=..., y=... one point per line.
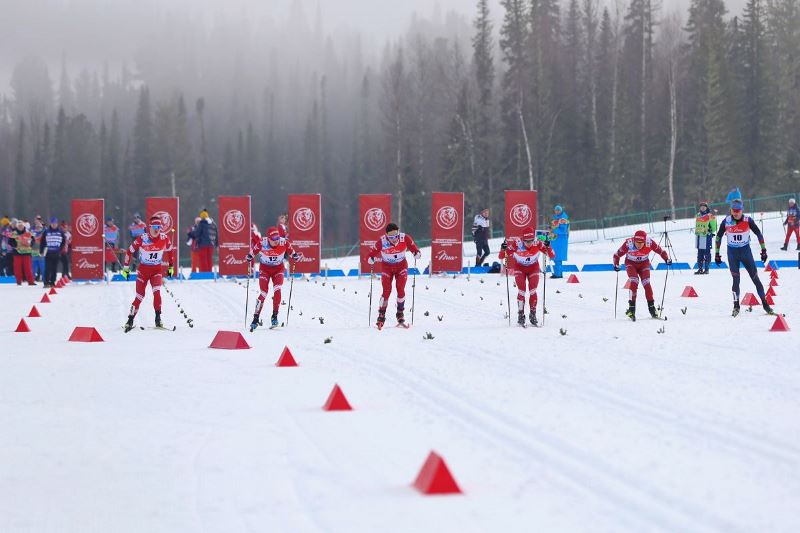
x=792, y=201
x=640, y=235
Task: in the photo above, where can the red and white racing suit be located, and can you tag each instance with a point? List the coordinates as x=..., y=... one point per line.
x=637, y=264
x=270, y=259
x=393, y=267
x=152, y=251
x=526, y=270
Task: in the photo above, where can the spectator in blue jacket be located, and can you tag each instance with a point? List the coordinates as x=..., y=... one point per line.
x=559, y=228
x=52, y=244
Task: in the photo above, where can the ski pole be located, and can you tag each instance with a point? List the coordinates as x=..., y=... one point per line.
x=544, y=291
x=247, y=288
x=508, y=290
x=664, y=293
x=616, y=294
x=291, y=286
x=414, y=290
x=369, y=318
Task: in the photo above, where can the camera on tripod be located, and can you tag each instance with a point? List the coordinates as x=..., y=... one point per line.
x=666, y=217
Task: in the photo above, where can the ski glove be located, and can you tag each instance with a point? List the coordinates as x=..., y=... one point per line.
x=547, y=243
x=616, y=268
x=764, y=256
x=171, y=271
x=668, y=261
x=249, y=257
x=717, y=259
x=418, y=256
x=370, y=260
x=295, y=257
x=125, y=272
x=504, y=246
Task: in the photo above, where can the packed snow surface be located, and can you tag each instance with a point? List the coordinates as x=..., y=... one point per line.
x=612, y=426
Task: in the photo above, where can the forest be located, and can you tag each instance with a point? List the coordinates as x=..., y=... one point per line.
x=604, y=108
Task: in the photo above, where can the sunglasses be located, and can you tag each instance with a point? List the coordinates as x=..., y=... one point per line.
x=155, y=226
x=395, y=236
x=531, y=241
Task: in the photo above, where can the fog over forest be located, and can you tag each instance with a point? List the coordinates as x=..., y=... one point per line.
x=642, y=106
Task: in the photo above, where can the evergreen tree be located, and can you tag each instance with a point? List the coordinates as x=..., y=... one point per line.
x=143, y=178
x=484, y=73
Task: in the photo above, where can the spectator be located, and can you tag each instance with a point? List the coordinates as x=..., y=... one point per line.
x=705, y=227
x=137, y=227
x=481, y=233
x=66, y=250
x=37, y=259
x=192, y=243
x=283, y=229
x=21, y=242
x=6, y=268
x=559, y=227
x=205, y=235
x=792, y=224
x=52, y=242
x=111, y=238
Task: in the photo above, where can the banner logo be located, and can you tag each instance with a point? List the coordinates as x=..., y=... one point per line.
x=375, y=219
x=304, y=219
x=166, y=220
x=447, y=217
x=87, y=225
x=521, y=215
x=234, y=221
x=84, y=263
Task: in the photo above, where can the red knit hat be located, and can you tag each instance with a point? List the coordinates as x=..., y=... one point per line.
x=529, y=235
x=273, y=233
x=640, y=236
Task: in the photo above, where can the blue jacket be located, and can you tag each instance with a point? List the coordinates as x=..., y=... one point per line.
x=560, y=229
x=53, y=240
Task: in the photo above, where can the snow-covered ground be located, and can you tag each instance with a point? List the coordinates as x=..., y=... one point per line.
x=611, y=427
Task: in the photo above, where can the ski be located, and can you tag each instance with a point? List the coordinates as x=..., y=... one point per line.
x=403, y=325
x=160, y=328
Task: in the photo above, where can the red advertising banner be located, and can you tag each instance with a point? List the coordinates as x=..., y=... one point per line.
x=168, y=210
x=375, y=212
x=447, y=231
x=233, y=227
x=305, y=229
x=88, y=254
x=520, y=212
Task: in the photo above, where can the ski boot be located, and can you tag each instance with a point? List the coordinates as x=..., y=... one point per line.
x=532, y=318
x=768, y=309
x=785, y=247
x=521, y=319
x=129, y=324
x=651, y=306
x=631, y=312
x=159, y=324
x=401, y=320
x=798, y=247
x=381, y=319
x=255, y=323
x=736, y=308
x=273, y=321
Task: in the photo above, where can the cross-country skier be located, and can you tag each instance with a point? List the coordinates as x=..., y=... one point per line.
x=271, y=251
x=792, y=224
x=637, y=251
x=152, y=248
x=525, y=253
x=737, y=227
x=392, y=248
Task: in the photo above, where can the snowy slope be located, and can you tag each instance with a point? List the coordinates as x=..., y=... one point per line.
x=612, y=427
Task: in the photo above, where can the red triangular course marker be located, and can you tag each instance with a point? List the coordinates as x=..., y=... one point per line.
x=435, y=478
x=773, y=274
x=768, y=268
x=779, y=324
x=750, y=299
x=286, y=358
x=85, y=334
x=52, y=290
x=337, y=401
x=573, y=279
x=45, y=299
x=769, y=300
x=34, y=313
x=22, y=327
x=771, y=292
x=689, y=292
x=773, y=282
x=229, y=340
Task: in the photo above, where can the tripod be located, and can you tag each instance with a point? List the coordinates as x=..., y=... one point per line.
x=666, y=243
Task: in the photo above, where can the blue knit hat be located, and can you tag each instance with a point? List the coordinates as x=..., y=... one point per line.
x=737, y=204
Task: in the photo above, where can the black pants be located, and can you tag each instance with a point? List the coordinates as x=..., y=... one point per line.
x=743, y=255
x=51, y=261
x=65, y=259
x=482, y=251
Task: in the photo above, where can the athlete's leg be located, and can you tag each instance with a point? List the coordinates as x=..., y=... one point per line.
x=533, y=284
x=263, y=286
x=644, y=273
x=633, y=280
x=733, y=265
x=277, y=284
x=750, y=266
x=521, y=279
x=400, y=279
x=155, y=282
